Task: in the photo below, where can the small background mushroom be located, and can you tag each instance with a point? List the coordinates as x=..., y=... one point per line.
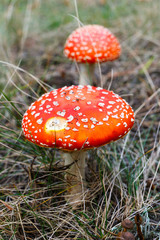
x=89, y=45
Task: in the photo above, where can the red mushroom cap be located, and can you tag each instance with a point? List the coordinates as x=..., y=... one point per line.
x=77, y=117
x=92, y=43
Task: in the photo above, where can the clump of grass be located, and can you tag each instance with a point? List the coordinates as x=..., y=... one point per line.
x=123, y=177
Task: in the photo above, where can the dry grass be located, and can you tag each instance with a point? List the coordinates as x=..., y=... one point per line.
x=122, y=177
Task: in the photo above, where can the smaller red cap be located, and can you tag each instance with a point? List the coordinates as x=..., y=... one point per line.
x=92, y=43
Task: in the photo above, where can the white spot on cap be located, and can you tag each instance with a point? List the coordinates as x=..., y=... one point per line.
x=105, y=92
x=49, y=99
x=70, y=44
x=99, y=88
x=83, y=98
x=73, y=140
x=78, y=124
x=89, y=102
x=98, y=55
x=94, y=120
x=32, y=113
x=37, y=114
x=43, y=144
x=33, y=107
x=122, y=115
x=100, y=123
x=48, y=106
x=84, y=119
x=118, y=100
x=42, y=102
x=39, y=121
x=68, y=97
x=89, y=51
x=75, y=129
x=61, y=113
x=55, y=103
x=125, y=124
x=111, y=102
x=70, y=118
x=80, y=87
x=67, y=136
x=109, y=106
x=77, y=108
x=89, y=87
x=115, y=116
x=101, y=104
x=84, y=43
x=106, y=118
x=71, y=92
x=88, y=58
x=109, y=113
x=66, y=51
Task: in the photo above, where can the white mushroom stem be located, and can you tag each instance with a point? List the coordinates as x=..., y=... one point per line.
x=75, y=175
x=86, y=72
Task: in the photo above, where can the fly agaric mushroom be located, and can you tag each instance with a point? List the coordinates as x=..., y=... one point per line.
x=91, y=44
x=74, y=119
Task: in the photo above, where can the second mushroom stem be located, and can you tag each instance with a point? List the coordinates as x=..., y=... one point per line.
x=75, y=175
x=86, y=72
